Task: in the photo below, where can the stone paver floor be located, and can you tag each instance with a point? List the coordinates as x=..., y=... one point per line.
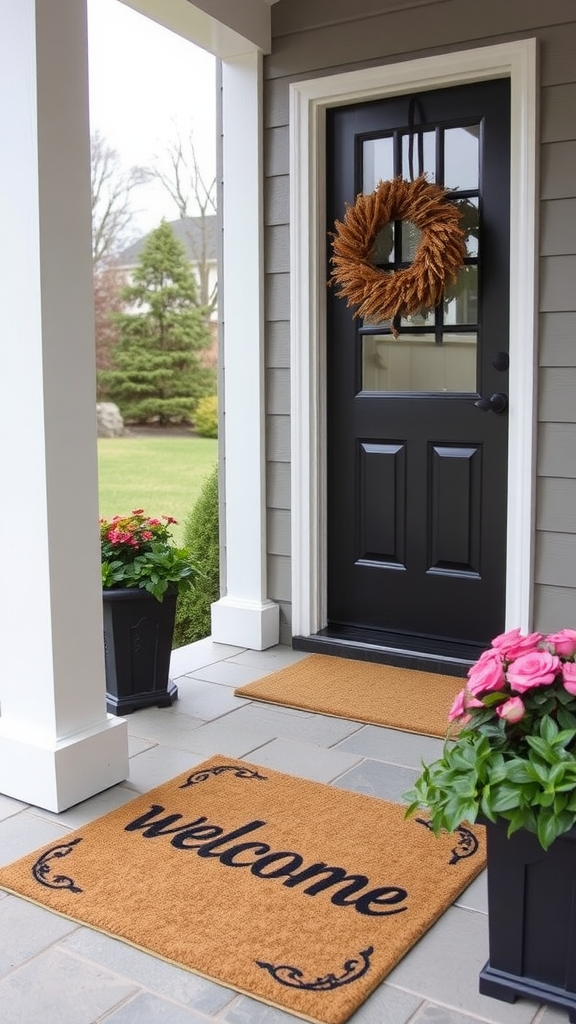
x=53, y=971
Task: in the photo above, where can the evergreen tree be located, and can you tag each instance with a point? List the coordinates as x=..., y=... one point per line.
x=157, y=372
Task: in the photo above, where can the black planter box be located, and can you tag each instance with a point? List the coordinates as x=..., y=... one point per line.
x=138, y=633
x=531, y=919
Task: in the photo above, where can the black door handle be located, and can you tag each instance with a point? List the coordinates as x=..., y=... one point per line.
x=496, y=403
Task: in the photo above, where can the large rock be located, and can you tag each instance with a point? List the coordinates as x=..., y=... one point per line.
x=110, y=422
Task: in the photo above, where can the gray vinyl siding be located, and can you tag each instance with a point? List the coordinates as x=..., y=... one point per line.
x=319, y=37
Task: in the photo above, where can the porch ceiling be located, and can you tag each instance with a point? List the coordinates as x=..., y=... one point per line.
x=226, y=28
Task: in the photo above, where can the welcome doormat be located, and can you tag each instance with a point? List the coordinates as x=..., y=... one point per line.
x=398, y=698
x=294, y=892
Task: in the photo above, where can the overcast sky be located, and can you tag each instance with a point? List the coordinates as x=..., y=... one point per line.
x=144, y=80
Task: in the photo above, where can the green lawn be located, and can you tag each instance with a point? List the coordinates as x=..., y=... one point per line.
x=162, y=475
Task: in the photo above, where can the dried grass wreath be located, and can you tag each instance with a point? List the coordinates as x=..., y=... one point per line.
x=384, y=295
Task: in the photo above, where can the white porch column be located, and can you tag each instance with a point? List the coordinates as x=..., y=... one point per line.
x=57, y=744
x=244, y=616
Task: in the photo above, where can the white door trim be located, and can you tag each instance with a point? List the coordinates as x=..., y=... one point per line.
x=308, y=275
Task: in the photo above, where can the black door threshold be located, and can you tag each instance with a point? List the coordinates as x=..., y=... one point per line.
x=445, y=657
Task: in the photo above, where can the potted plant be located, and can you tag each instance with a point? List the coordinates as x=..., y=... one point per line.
x=142, y=573
x=509, y=760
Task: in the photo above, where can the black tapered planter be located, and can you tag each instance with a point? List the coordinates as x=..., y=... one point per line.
x=138, y=633
x=531, y=919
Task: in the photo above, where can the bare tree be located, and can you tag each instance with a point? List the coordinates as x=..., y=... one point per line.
x=111, y=189
x=194, y=197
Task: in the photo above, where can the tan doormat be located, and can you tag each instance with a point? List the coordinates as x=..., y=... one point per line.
x=296, y=893
x=398, y=698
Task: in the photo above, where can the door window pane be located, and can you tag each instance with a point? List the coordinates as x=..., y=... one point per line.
x=377, y=162
x=414, y=362
x=461, y=153
x=461, y=298
x=429, y=167
x=383, y=251
x=411, y=238
x=469, y=223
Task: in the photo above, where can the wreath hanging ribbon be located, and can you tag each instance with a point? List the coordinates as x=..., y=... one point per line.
x=383, y=295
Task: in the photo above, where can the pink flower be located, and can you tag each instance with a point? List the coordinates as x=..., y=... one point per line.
x=487, y=674
x=569, y=677
x=458, y=708
x=564, y=642
x=464, y=700
x=512, y=710
x=537, y=668
x=512, y=644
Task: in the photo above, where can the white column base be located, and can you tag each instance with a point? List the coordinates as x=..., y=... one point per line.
x=60, y=774
x=252, y=624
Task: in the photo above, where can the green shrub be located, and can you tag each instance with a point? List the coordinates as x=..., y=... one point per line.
x=206, y=416
x=202, y=540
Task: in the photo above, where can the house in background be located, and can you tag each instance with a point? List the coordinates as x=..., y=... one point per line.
x=375, y=501
x=199, y=237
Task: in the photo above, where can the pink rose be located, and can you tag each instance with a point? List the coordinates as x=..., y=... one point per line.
x=457, y=709
x=537, y=668
x=564, y=642
x=512, y=644
x=512, y=710
x=463, y=701
x=569, y=677
x=487, y=674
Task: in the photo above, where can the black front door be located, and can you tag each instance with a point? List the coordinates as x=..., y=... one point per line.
x=417, y=470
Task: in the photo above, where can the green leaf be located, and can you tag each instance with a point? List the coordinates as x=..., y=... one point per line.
x=549, y=828
x=506, y=798
x=548, y=729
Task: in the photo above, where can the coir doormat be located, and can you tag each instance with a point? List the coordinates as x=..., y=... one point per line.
x=296, y=893
x=398, y=698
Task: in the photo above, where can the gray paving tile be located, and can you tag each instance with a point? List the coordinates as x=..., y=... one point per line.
x=229, y=736
x=443, y=968
x=136, y=744
x=272, y=660
x=24, y=832
x=9, y=806
x=248, y=1011
x=402, y=748
x=375, y=778
x=149, y=1009
x=303, y=759
x=204, y=700
x=30, y=929
x=159, y=764
x=550, y=1015
x=59, y=989
x=86, y=811
x=475, y=897
x=272, y=723
x=203, y=652
x=386, y=1005
x=227, y=673
x=432, y=1014
x=160, y=726
x=280, y=709
x=160, y=977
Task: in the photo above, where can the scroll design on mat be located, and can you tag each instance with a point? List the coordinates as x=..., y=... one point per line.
x=239, y=772
x=466, y=846
x=293, y=977
x=42, y=869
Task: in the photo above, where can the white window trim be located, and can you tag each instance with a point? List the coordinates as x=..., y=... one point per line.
x=308, y=274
